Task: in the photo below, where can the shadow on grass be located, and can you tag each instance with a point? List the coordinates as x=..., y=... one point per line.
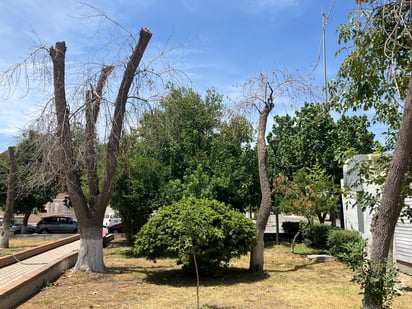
x=176, y=277
x=163, y=275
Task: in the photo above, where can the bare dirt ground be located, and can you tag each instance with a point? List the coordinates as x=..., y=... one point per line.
x=290, y=281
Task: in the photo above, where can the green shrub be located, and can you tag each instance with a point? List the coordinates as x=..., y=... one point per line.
x=316, y=235
x=353, y=253
x=211, y=231
x=338, y=241
x=379, y=279
x=290, y=229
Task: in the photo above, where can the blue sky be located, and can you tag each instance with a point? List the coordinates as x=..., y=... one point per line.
x=218, y=44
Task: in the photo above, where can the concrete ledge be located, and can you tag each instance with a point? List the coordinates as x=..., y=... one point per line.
x=27, y=287
x=318, y=258
x=10, y=259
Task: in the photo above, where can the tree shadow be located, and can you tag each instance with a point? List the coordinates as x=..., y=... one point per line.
x=163, y=275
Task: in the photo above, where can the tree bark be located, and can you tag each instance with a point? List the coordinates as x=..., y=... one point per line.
x=27, y=213
x=9, y=209
x=387, y=215
x=90, y=212
x=257, y=253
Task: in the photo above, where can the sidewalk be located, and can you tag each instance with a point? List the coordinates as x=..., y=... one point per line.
x=21, y=280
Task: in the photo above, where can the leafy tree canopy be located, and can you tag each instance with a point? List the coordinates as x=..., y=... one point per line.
x=201, y=153
x=312, y=137
x=374, y=75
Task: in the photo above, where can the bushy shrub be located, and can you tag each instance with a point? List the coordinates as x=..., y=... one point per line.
x=353, y=254
x=207, y=229
x=316, y=235
x=338, y=241
x=291, y=229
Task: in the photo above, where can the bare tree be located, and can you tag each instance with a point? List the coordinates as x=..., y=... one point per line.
x=8, y=213
x=257, y=253
x=90, y=211
x=283, y=86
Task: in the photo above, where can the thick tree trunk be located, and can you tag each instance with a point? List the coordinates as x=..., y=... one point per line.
x=9, y=209
x=90, y=212
x=90, y=258
x=257, y=253
x=387, y=215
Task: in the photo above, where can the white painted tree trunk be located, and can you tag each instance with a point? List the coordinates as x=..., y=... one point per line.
x=90, y=257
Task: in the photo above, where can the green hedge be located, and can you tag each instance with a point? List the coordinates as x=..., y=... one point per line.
x=316, y=235
x=291, y=229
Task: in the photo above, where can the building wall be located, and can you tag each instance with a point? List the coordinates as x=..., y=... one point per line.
x=360, y=220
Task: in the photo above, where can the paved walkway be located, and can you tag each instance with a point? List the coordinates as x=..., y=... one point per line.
x=15, y=274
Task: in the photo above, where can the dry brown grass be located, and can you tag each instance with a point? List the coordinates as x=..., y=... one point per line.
x=290, y=281
x=17, y=244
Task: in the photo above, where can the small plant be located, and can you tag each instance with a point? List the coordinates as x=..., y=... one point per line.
x=47, y=285
x=379, y=281
x=376, y=279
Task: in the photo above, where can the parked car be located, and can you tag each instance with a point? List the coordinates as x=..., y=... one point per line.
x=11, y=229
x=116, y=228
x=16, y=227
x=111, y=218
x=57, y=225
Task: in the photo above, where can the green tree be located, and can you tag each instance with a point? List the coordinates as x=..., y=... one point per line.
x=311, y=193
x=136, y=192
x=376, y=74
x=312, y=137
x=37, y=179
x=178, y=133
x=202, y=154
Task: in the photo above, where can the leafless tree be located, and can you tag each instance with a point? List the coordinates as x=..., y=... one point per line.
x=90, y=211
x=8, y=213
x=260, y=94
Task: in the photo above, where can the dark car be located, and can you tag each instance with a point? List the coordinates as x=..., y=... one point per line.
x=57, y=225
x=116, y=228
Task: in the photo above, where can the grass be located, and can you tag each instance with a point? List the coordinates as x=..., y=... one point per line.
x=17, y=244
x=290, y=281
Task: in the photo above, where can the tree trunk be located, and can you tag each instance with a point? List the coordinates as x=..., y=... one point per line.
x=27, y=213
x=90, y=258
x=257, y=253
x=387, y=215
x=90, y=212
x=8, y=213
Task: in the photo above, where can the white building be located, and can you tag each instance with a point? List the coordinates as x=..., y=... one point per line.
x=355, y=218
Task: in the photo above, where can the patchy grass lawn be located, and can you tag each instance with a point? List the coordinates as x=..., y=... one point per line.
x=290, y=281
x=17, y=244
